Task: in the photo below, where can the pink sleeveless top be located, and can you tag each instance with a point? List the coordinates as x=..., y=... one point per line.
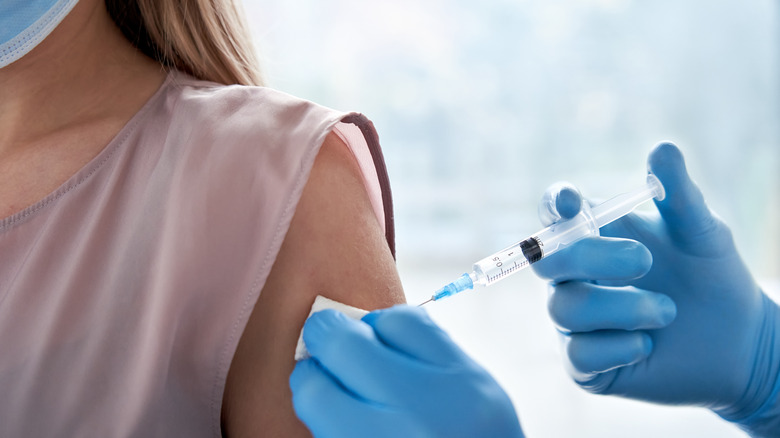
x=124, y=293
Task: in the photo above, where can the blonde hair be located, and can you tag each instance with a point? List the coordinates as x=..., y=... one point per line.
x=205, y=38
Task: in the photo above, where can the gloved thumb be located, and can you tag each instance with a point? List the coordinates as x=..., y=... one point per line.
x=687, y=217
x=560, y=201
x=411, y=331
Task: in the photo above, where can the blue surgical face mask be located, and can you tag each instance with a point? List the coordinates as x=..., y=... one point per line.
x=25, y=23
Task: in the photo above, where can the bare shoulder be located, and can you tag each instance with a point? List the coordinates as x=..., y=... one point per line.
x=334, y=247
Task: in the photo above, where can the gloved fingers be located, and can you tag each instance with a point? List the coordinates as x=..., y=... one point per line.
x=411, y=331
x=597, y=258
x=584, y=307
x=602, y=351
x=684, y=210
x=560, y=201
x=320, y=401
x=331, y=411
x=351, y=352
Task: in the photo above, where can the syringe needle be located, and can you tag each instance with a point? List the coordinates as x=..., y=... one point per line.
x=463, y=282
x=425, y=302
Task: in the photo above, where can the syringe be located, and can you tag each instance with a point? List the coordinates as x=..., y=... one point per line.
x=522, y=254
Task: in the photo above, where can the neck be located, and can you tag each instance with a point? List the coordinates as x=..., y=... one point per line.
x=83, y=72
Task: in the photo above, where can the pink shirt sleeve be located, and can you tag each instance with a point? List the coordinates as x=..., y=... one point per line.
x=124, y=293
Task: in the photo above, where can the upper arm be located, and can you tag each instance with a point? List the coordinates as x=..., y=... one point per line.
x=334, y=247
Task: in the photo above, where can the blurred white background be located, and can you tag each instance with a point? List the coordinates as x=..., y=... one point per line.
x=481, y=105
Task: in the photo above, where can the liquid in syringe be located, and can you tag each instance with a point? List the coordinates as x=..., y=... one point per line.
x=520, y=255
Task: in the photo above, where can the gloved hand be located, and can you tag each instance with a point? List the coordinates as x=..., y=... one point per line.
x=394, y=374
x=664, y=309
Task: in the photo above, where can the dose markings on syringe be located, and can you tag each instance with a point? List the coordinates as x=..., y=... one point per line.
x=507, y=271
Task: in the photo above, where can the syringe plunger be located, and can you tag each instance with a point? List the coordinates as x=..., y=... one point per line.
x=551, y=239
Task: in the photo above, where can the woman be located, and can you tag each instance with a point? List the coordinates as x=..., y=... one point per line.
x=164, y=234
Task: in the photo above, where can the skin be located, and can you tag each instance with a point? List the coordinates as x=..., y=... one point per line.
x=63, y=102
x=337, y=240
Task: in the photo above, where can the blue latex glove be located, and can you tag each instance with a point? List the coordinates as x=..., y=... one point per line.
x=671, y=315
x=394, y=374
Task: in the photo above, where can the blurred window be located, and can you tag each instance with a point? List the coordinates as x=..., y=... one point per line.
x=481, y=105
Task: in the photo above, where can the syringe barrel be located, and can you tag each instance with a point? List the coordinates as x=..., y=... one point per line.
x=559, y=235
x=522, y=254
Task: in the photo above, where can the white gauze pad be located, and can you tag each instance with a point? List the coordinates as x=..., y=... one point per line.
x=325, y=303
